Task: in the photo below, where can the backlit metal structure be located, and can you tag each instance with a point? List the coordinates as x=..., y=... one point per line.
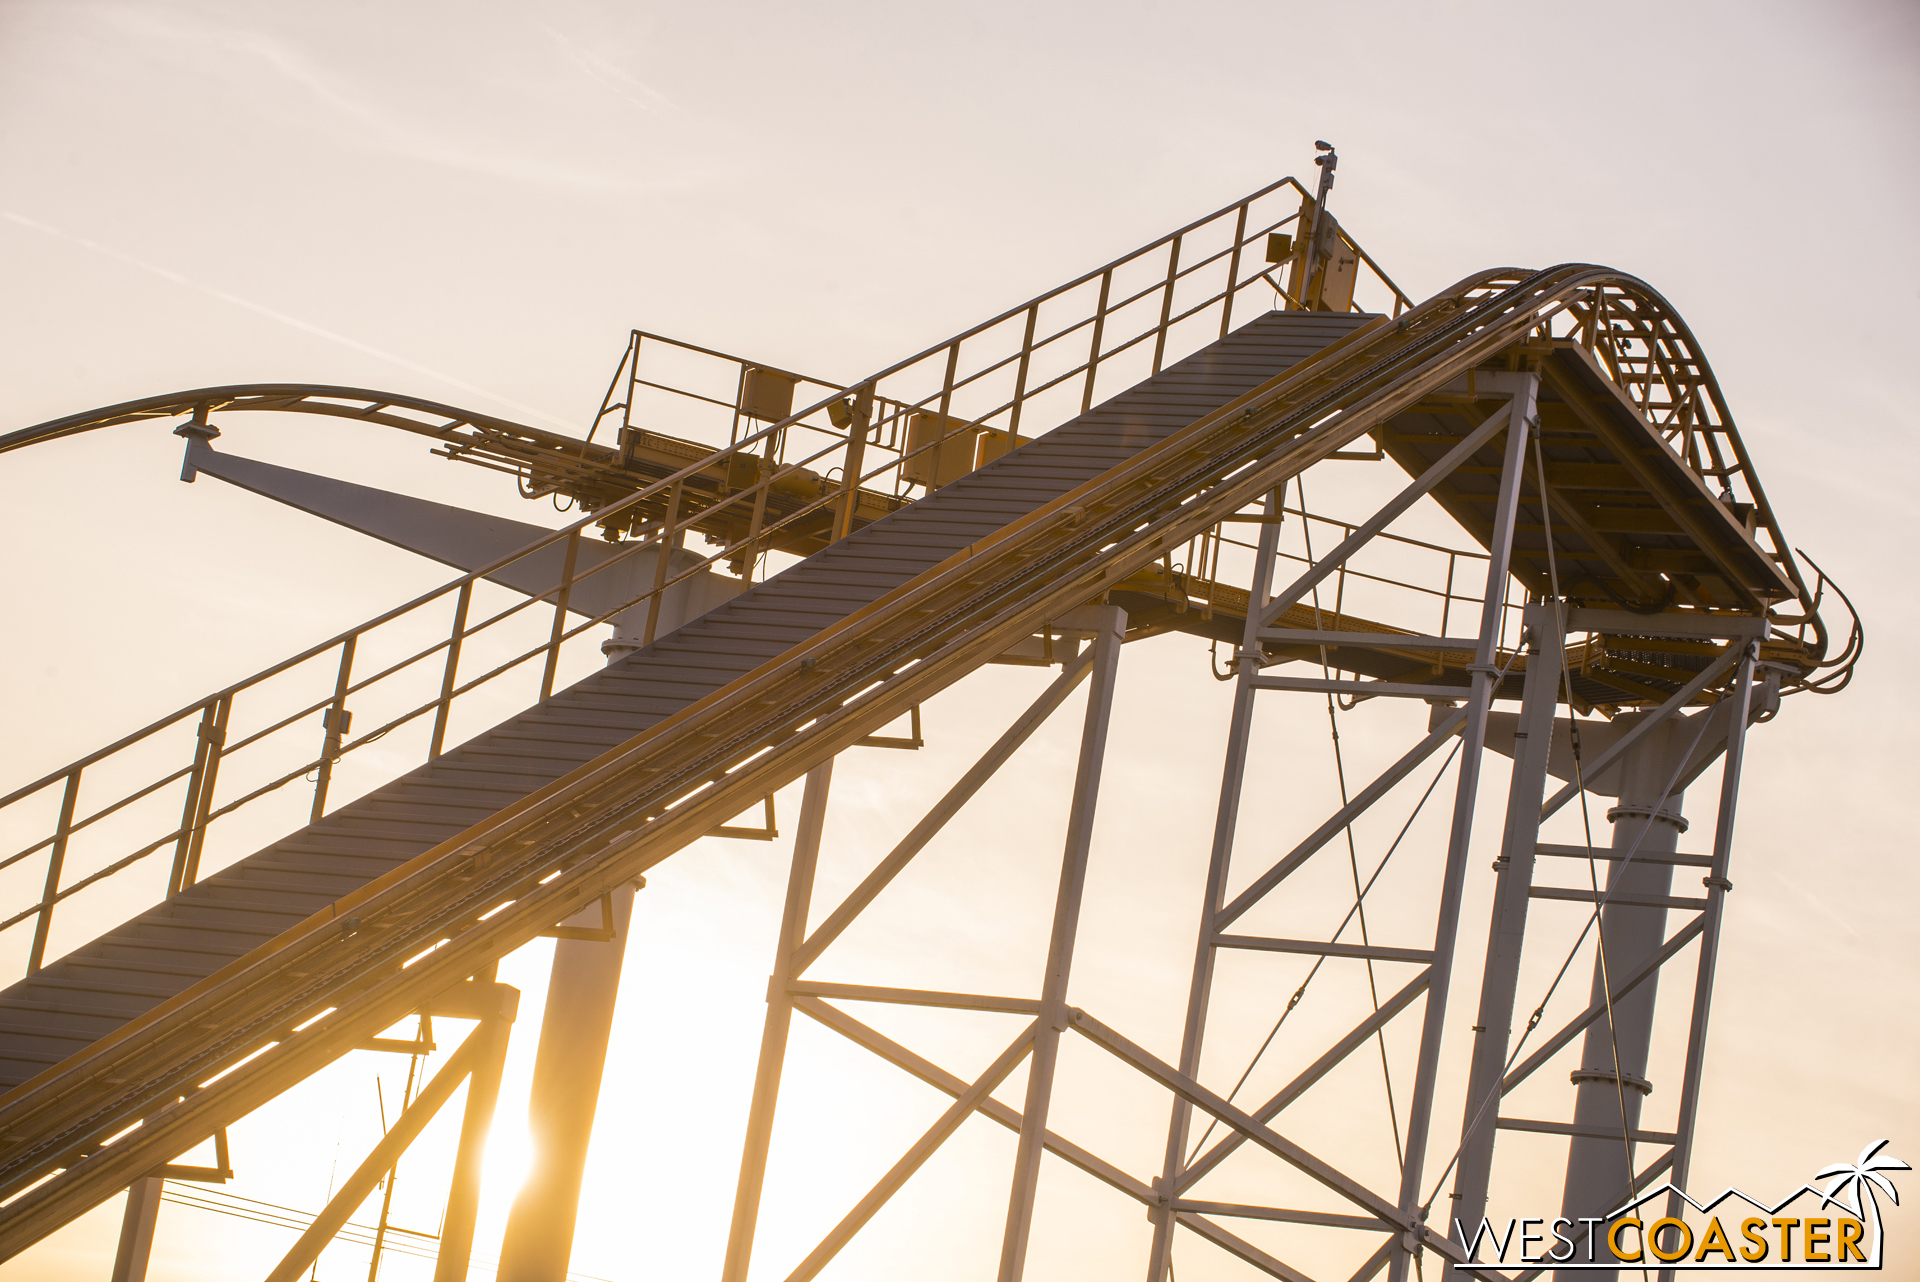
x=1119, y=458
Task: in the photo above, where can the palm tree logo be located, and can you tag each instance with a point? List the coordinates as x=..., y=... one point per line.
x=1854, y=1183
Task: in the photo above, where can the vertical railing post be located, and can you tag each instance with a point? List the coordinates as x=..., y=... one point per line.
x=451, y=675
x=1166, y=304
x=216, y=741
x=625, y=443
x=56, y=858
x=1233, y=273
x=1460, y=836
x=856, y=457
x=1099, y=328
x=663, y=558
x=190, y=808
x=560, y=610
x=946, y=401
x=336, y=721
x=1053, y=1013
x=1020, y=378
x=739, y=395
x=773, y=1038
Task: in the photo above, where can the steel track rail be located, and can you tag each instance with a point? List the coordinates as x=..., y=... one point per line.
x=210, y=1055
x=389, y=409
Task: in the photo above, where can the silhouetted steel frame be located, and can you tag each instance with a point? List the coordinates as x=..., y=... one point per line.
x=493, y=887
x=788, y=992
x=1659, y=331
x=385, y=408
x=1166, y=1204
x=1435, y=978
x=1527, y=808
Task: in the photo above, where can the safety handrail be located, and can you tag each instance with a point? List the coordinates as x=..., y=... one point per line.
x=1600, y=325
x=436, y=919
x=213, y=1052
x=665, y=508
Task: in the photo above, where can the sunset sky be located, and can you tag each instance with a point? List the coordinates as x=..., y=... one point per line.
x=476, y=202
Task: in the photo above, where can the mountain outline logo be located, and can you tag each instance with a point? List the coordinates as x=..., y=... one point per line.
x=1770, y=1241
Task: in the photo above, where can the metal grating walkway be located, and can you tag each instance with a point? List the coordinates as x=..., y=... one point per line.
x=141, y=963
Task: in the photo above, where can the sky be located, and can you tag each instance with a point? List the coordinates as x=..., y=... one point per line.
x=476, y=202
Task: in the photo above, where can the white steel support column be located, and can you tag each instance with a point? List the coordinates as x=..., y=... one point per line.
x=574, y=1030
x=1226, y=819
x=773, y=1040
x=1053, y=1015
x=1493, y=1031
x=566, y=1091
x=1474, y=731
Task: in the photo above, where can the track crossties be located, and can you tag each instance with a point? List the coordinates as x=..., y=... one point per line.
x=141, y=963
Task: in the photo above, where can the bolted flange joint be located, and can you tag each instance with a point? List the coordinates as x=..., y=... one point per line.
x=1628, y=1080
x=1617, y=813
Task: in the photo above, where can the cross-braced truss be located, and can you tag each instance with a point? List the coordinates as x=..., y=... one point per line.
x=1438, y=1152
x=1564, y=419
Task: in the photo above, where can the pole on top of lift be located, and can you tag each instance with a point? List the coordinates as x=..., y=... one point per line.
x=1328, y=161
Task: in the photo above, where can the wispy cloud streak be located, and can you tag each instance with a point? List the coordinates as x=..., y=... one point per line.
x=283, y=318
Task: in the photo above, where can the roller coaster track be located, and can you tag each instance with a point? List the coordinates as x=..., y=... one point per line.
x=84, y=1128
x=545, y=462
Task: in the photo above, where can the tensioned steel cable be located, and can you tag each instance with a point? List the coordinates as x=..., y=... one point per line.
x=1301, y=992
x=1539, y=1011
x=1586, y=816
x=1533, y=1022
x=1353, y=855
x=1565, y=677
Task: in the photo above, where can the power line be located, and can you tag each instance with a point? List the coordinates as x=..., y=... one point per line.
x=221, y=1202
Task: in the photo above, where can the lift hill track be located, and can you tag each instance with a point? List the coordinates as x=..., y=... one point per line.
x=133, y=1048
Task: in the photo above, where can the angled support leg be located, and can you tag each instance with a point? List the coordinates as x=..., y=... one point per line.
x=1420, y=1107
x=362, y=1182
x=483, y=1095
x=773, y=1039
x=1717, y=887
x=136, y=1230
x=1493, y=1032
x=1232, y=779
x=1066, y=922
x=1380, y=520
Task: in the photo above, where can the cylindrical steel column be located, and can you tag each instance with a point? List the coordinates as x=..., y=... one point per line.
x=1611, y=1082
x=565, y=1093
x=1739, y=705
x=578, y=1021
